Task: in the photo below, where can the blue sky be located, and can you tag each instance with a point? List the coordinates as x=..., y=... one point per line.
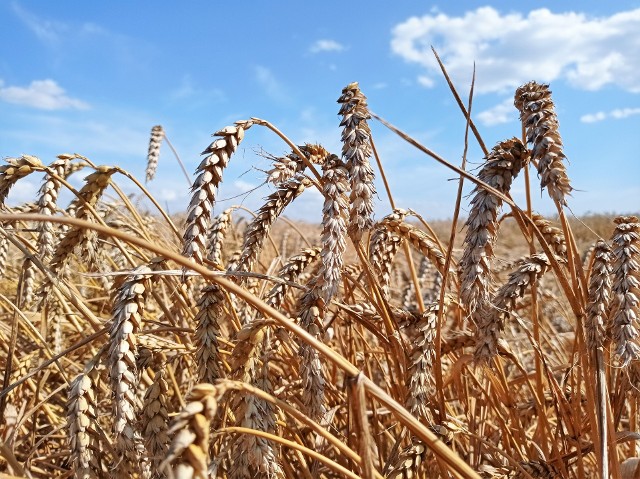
x=94, y=77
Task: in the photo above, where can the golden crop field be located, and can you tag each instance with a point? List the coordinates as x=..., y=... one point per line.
x=500, y=344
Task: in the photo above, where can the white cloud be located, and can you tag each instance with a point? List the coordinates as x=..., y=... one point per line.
x=271, y=84
x=503, y=112
x=617, y=114
x=46, y=30
x=511, y=49
x=41, y=94
x=326, y=46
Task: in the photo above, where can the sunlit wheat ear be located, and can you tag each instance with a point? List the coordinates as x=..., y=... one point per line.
x=210, y=309
x=313, y=383
x=157, y=134
x=260, y=226
x=217, y=234
x=356, y=151
x=491, y=320
x=334, y=227
x=286, y=167
x=89, y=194
x=252, y=455
x=155, y=419
x=535, y=469
x=4, y=252
x=599, y=295
x=503, y=164
x=16, y=169
x=290, y=272
x=430, y=281
x=82, y=423
x=125, y=325
x=410, y=462
x=383, y=247
x=420, y=365
x=48, y=205
x=553, y=235
x=625, y=307
x=419, y=240
x=188, y=456
x=538, y=116
x=205, y=187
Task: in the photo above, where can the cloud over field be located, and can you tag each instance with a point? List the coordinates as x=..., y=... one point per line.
x=511, y=49
x=41, y=94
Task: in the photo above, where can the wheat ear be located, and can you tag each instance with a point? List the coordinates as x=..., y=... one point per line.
x=503, y=164
x=16, y=169
x=125, y=325
x=157, y=134
x=217, y=234
x=266, y=216
x=626, y=288
x=383, y=246
x=538, y=116
x=188, y=456
x=82, y=422
x=491, y=320
x=205, y=186
x=210, y=308
x=553, y=235
x=356, y=151
x=599, y=295
x=155, y=419
x=290, y=273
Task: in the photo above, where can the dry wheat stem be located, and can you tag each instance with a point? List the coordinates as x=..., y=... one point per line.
x=356, y=151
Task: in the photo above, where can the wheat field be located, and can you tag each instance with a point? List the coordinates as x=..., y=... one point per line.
x=139, y=344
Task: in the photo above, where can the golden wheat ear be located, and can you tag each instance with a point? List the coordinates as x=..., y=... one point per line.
x=153, y=155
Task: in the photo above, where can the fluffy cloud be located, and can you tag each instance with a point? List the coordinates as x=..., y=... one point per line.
x=501, y=113
x=511, y=49
x=617, y=114
x=326, y=46
x=41, y=94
